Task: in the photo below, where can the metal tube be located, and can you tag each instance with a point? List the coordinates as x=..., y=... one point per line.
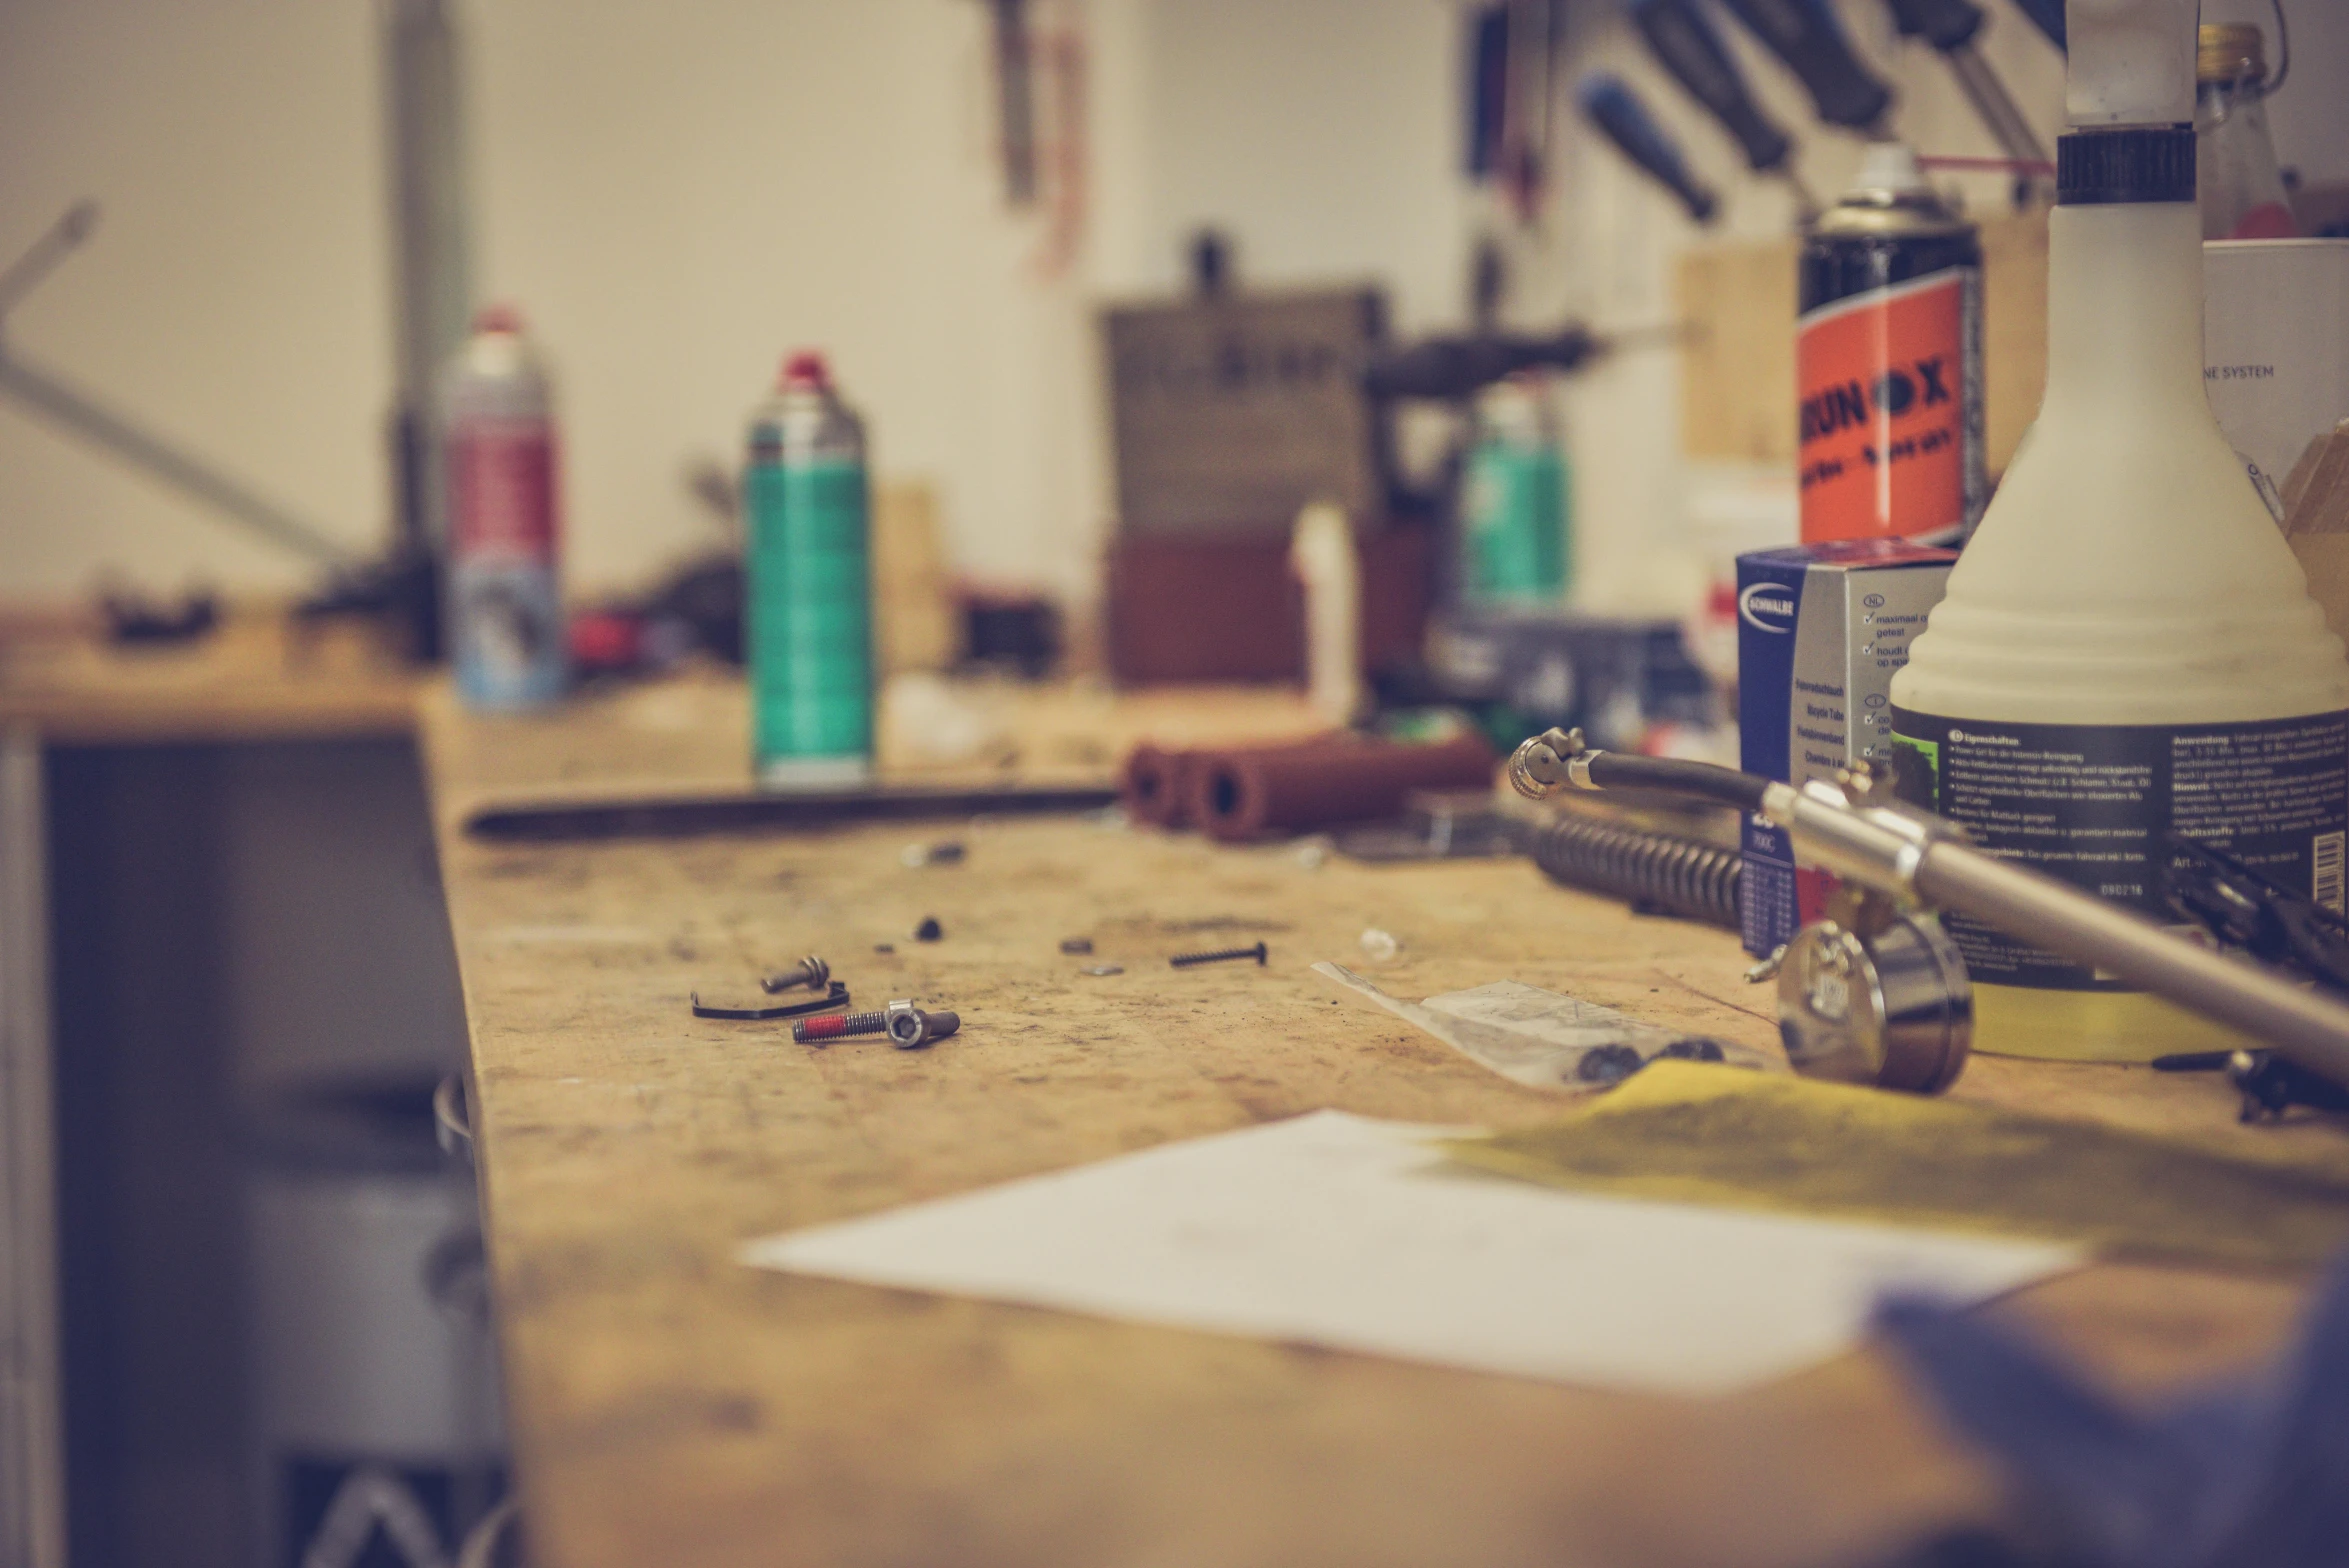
x=183, y=473
x=1996, y=106
x=2298, y=1024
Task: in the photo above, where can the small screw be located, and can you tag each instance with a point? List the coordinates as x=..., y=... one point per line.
x=1220, y=955
x=810, y=972
x=1077, y=944
x=1104, y=970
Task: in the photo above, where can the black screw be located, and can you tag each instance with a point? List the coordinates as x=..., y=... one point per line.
x=1607, y=1064
x=810, y=972
x=1219, y=956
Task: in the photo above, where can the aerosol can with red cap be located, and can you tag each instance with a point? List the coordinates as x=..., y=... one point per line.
x=809, y=585
x=505, y=597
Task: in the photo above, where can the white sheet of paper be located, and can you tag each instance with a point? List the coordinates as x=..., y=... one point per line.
x=1350, y=1233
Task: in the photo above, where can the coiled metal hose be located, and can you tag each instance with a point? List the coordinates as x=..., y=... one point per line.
x=1646, y=868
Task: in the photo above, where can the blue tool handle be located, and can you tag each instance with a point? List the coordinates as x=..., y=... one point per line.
x=1945, y=24
x=1803, y=33
x=2048, y=17
x=1685, y=44
x=1617, y=111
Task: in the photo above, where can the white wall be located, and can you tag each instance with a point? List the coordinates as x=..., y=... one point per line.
x=678, y=193
x=235, y=295
x=675, y=195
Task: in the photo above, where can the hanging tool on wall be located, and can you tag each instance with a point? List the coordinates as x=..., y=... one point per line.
x=1513, y=81
x=1015, y=106
x=1805, y=35
x=1686, y=46
x=1610, y=104
x=2048, y=17
x=1951, y=27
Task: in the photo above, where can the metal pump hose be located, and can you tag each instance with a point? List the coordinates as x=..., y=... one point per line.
x=1857, y=831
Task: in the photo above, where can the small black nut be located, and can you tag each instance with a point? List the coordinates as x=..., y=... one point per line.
x=929, y=930
x=1696, y=1048
x=1608, y=1064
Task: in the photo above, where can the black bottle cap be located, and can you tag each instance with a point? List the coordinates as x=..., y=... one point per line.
x=2129, y=163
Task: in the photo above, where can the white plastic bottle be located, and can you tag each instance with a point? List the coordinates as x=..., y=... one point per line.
x=2127, y=648
x=1325, y=559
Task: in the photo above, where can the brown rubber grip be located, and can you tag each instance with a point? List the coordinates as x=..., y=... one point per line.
x=1155, y=787
x=1248, y=793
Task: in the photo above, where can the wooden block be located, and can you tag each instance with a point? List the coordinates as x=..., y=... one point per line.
x=1212, y=610
x=2014, y=330
x=913, y=592
x=1737, y=362
x=1230, y=414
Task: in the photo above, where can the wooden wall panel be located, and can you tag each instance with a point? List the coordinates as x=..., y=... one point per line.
x=1737, y=364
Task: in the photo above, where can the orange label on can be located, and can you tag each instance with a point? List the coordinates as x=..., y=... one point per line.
x=1891, y=411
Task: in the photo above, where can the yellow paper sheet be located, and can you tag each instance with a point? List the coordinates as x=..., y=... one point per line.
x=1702, y=1134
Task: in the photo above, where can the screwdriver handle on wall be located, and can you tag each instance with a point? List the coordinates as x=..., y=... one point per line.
x=1612, y=106
x=1804, y=34
x=1686, y=46
x=2048, y=17
x=1951, y=27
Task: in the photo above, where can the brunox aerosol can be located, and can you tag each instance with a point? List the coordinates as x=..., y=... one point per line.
x=810, y=631
x=1888, y=362
x=505, y=525
x=2127, y=650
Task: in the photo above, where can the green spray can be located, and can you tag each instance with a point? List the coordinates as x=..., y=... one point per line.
x=809, y=585
x=1514, y=517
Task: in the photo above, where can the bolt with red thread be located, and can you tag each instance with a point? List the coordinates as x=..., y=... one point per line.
x=908, y=1027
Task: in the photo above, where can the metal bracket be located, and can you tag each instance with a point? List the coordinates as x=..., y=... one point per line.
x=835, y=996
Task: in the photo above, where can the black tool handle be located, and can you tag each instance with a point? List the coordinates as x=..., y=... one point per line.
x=1617, y=111
x=1804, y=34
x=1686, y=46
x=2048, y=17
x=1456, y=367
x=1945, y=24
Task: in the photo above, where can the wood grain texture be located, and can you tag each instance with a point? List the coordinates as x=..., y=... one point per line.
x=255, y=678
x=1737, y=401
x=669, y=1405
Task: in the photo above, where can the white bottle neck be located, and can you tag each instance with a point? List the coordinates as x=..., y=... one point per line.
x=2124, y=306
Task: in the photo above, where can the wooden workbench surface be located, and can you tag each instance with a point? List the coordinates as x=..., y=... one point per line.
x=671, y=1406
x=255, y=677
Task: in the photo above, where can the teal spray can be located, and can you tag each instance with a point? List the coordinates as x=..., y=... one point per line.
x=809, y=585
x=1514, y=500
